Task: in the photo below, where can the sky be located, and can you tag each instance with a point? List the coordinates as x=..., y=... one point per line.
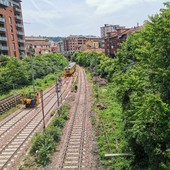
x=84, y=17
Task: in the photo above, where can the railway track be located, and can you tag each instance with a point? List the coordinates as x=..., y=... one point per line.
x=73, y=152
x=19, y=113
x=10, y=102
x=16, y=132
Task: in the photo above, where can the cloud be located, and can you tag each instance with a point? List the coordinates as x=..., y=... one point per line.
x=43, y=13
x=110, y=6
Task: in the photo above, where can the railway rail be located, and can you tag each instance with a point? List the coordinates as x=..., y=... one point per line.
x=10, y=102
x=17, y=113
x=17, y=130
x=73, y=152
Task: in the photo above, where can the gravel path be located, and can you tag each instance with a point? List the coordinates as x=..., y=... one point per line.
x=89, y=158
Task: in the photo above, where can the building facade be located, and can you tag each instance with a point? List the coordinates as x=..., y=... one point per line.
x=12, y=37
x=39, y=45
x=60, y=46
x=78, y=42
x=113, y=40
x=109, y=28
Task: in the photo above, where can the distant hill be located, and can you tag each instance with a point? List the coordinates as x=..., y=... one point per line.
x=56, y=39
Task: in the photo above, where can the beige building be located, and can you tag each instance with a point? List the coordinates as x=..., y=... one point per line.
x=80, y=43
x=89, y=45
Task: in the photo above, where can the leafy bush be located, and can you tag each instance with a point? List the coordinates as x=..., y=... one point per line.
x=140, y=75
x=43, y=144
x=16, y=73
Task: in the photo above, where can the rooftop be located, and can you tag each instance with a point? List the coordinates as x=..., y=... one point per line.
x=34, y=38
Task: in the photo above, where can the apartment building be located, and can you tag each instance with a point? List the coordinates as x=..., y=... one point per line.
x=60, y=46
x=38, y=44
x=75, y=42
x=12, y=37
x=109, y=28
x=113, y=40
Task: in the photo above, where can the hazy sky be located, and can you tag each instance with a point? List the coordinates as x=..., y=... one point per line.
x=84, y=17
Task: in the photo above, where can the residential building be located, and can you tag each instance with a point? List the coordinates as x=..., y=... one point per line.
x=12, y=37
x=53, y=47
x=73, y=42
x=77, y=42
x=39, y=45
x=114, y=39
x=91, y=46
x=60, y=47
x=109, y=28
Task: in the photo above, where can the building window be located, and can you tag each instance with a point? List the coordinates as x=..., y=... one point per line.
x=12, y=37
x=11, y=29
x=13, y=46
x=10, y=20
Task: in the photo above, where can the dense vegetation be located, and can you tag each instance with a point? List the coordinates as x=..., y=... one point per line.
x=140, y=78
x=16, y=73
x=44, y=143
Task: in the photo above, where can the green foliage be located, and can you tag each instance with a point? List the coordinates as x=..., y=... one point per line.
x=97, y=63
x=142, y=78
x=15, y=73
x=140, y=75
x=43, y=144
x=111, y=138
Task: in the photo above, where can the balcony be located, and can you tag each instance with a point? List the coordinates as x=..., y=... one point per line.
x=5, y=3
x=18, y=17
x=18, y=10
x=2, y=20
x=3, y=39
x=21, y=41
x=16, y=4
x=4, y=48
x=19, y=25
x=2, y=29
x=20, y=33
x=22, y=48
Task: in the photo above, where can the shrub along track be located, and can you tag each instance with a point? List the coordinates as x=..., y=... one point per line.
x=76, y=148
x=18, y=128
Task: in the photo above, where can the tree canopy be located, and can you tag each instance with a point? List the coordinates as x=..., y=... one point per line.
x=16, y=73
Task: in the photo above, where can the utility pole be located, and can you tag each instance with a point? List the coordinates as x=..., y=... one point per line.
x=42, y=104
x=60, y=82
x=96, y=75
x=32, y=69
x=57, y=91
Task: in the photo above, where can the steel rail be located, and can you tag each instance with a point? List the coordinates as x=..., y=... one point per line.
x=33, y=130
x=23, y=109
x=83, y=127
x=61, y=166
x=11, y=117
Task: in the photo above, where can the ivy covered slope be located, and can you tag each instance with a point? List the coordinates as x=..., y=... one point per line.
x=16, y=73
x=140, y=75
